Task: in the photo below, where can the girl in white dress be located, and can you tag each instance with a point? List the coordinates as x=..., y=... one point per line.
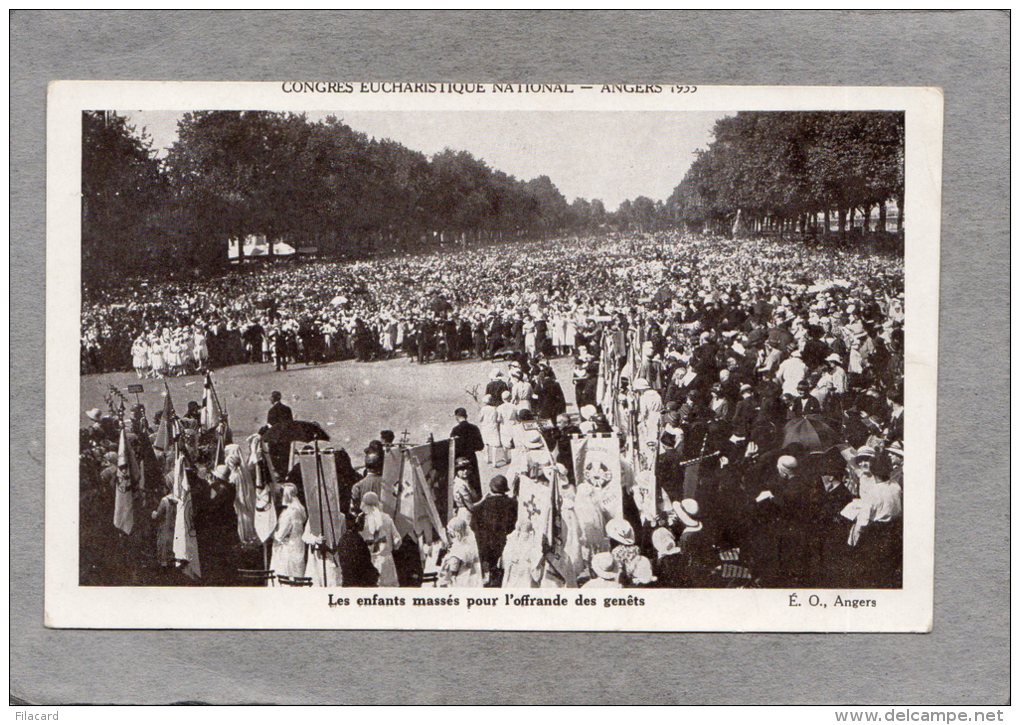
x=380, y=533
x=200, y=349
x=140, y=356
x=288, y=546
x=156, y=358
x=522, y=557
x=488, y=423
x=462, y=567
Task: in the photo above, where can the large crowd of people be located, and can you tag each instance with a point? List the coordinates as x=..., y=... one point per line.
x=760, y=380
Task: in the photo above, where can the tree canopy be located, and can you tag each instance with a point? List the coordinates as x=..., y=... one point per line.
x=791, y=166
x=231, y=174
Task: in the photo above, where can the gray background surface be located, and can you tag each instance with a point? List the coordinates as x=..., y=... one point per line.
x=964, y=660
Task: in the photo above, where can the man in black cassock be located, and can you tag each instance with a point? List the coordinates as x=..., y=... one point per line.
x=467, y=442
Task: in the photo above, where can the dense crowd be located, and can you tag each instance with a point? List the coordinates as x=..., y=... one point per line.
x=761, y=380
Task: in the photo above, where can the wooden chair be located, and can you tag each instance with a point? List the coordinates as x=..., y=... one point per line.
x=256, y=577
x=294, y=581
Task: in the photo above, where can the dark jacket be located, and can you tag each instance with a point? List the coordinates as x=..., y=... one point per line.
x=469, y=439
x=279, y=414
x=494, y=518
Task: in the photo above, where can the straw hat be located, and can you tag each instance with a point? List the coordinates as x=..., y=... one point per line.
x=687, y=511
x=620, y=530
x=864, y=452
x=93, y=414
x=604, y=566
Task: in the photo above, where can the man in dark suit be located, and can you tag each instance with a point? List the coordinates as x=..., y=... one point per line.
x=805, y=403
x=467, y=442
x=278, y=412
x=669, y=474
x=494, y=518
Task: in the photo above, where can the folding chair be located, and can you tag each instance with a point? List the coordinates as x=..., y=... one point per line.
x=294, y=581
x=256, y=577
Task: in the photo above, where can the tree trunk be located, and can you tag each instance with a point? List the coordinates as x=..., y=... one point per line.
x=842, y=223
x=828, y=222
x=881, y=217
x=899, y=208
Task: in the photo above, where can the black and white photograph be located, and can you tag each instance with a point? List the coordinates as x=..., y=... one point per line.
x=490, y=355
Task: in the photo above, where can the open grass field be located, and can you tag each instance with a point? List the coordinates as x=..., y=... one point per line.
x=353, y=401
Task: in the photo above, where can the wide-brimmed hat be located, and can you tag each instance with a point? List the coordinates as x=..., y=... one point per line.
x=221, y=472
x=834, y=358
x=664, y=542
x=864, y=452
x=533, y=440
x=687, y=511
x=604, y=566
x=895, y=449
x=641, y=384
x=588, y=411
x=620, y=530
x=93, y=414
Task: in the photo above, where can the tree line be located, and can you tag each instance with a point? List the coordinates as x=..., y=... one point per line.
x=798, y=172
x=319, y=184
x=322, y=184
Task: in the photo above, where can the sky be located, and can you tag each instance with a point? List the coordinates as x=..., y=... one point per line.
x=596, y=155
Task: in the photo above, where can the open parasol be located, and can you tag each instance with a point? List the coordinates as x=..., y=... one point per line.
x=814, y=432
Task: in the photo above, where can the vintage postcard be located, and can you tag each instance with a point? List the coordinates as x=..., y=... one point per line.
x=423, y=355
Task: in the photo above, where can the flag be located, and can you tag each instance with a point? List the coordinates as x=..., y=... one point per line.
x=185, y=538
x=535, y=504
x=597, y=462
x=416, y=505
x=553, y=534
x=265, y=508
x=127, y=480
x=211, y=413
x=427, y=521
x=166, y=433
x=322, y=493
x=393, y=468
x=645, y=494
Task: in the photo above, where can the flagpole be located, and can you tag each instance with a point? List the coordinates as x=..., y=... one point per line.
x=318, y=490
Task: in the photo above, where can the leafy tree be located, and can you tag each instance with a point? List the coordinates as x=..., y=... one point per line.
x=121, y=189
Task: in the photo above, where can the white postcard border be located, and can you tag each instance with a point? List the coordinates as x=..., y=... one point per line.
x=68, y=605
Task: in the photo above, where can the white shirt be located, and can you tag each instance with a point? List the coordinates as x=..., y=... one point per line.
x=791, y=371
x=880, y=502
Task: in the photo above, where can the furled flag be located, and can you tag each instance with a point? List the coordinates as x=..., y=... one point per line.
x=166, y=432
x=265, y=509
x=185, y=539
x=211, y=413
x=127, y=480
x=393, y=468
x=244, y=495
